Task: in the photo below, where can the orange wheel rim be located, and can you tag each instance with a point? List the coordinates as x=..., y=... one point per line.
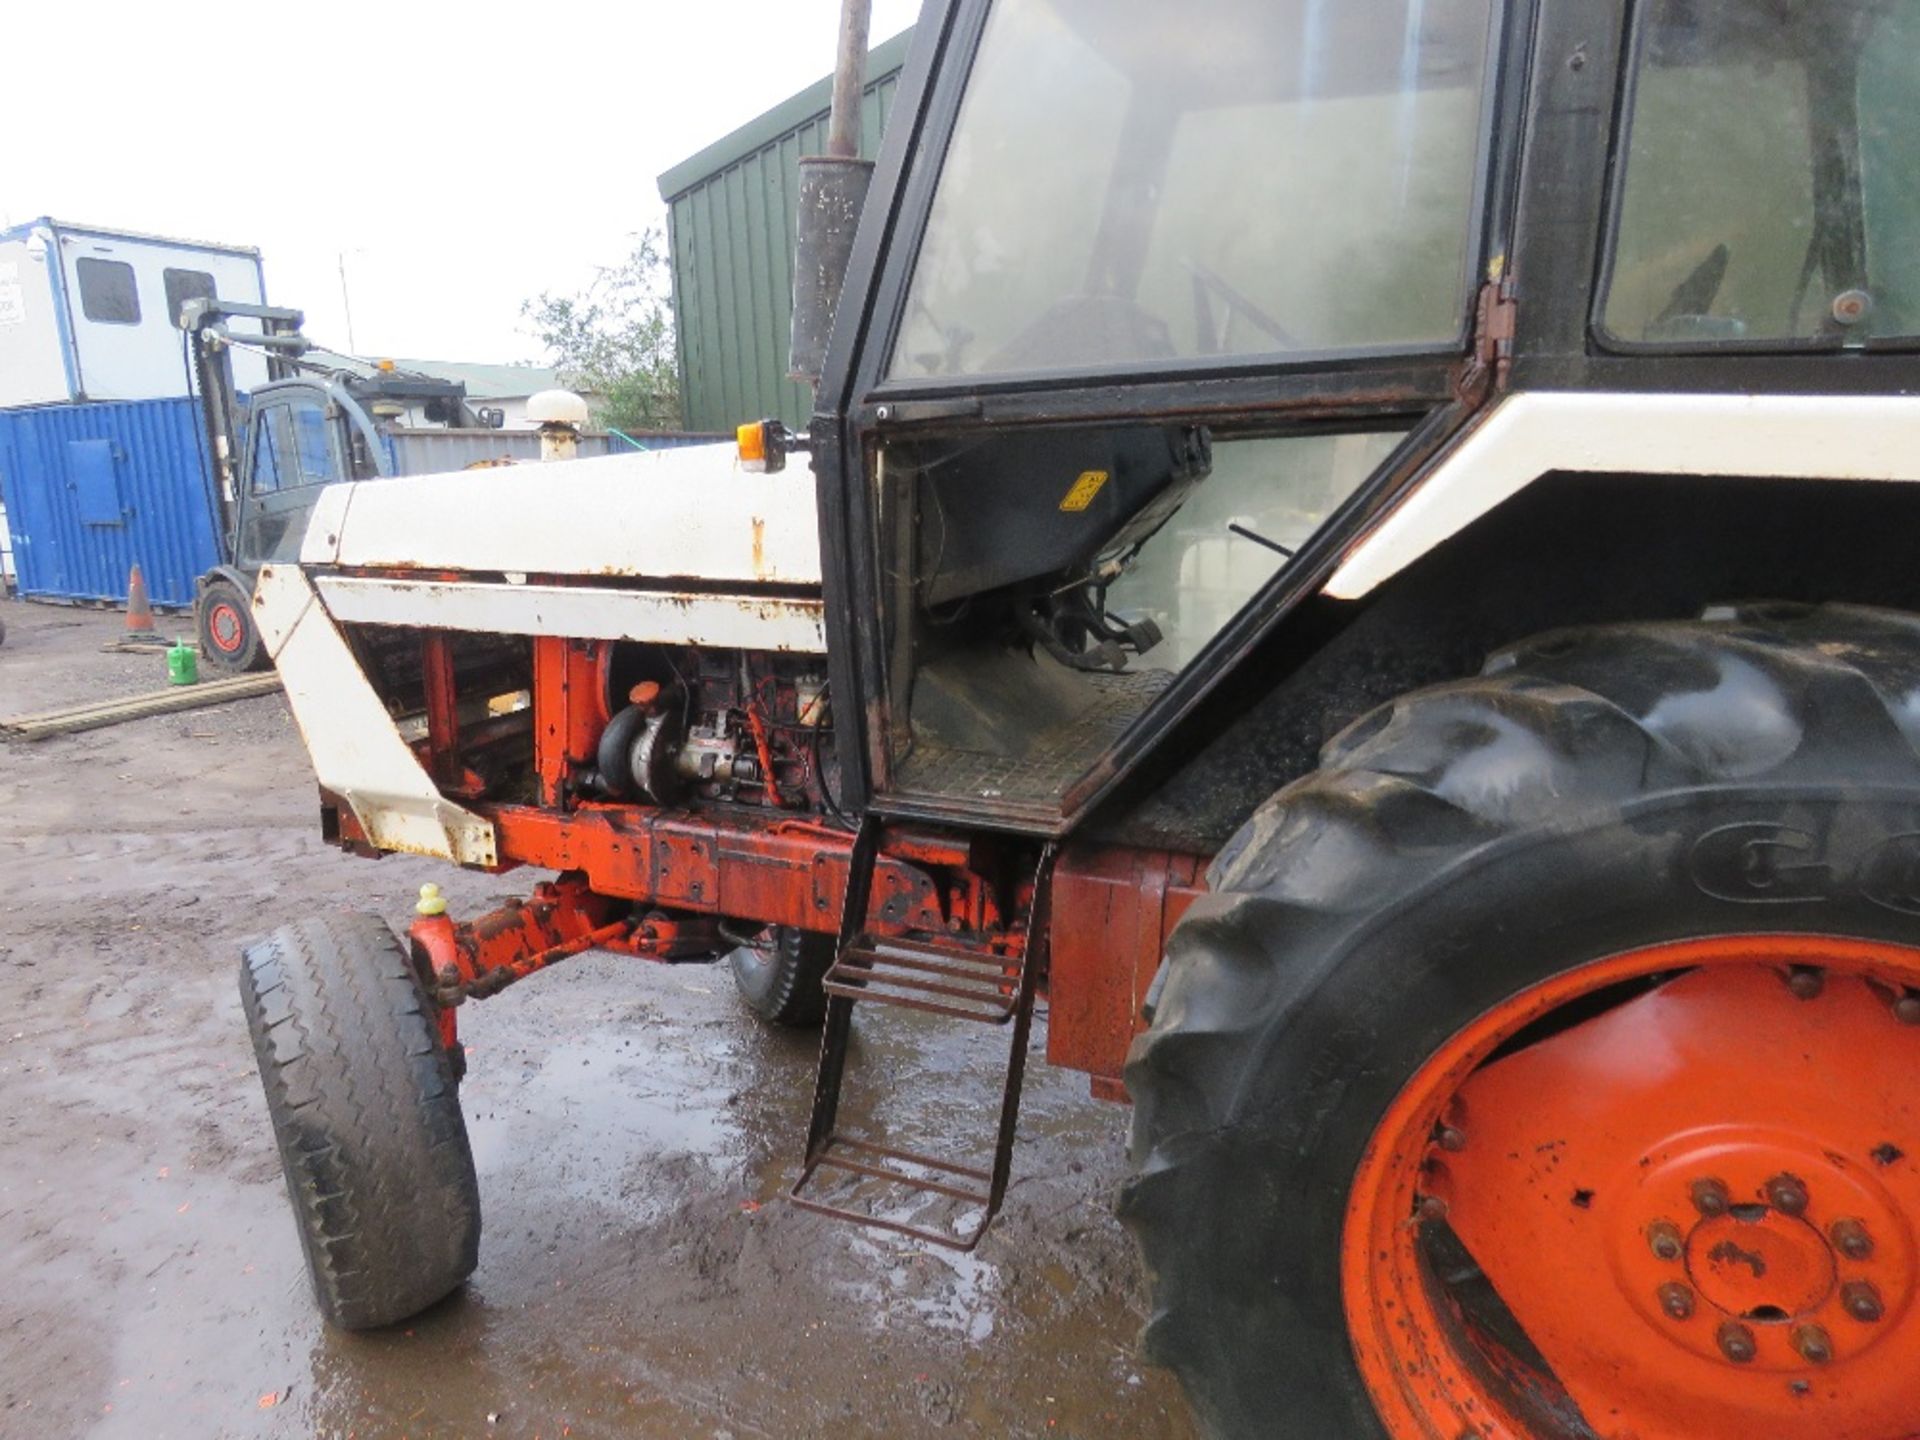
x=1666, y=1196
x=227, y=627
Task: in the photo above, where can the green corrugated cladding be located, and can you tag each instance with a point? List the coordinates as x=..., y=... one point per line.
x=730, y=216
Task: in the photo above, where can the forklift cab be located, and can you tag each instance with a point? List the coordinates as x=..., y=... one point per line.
x=276, y=448
x=305, y=433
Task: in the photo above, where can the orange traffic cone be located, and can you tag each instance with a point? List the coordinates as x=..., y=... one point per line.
x=139, y=608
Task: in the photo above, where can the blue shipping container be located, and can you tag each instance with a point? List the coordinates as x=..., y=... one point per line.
x=92, y=489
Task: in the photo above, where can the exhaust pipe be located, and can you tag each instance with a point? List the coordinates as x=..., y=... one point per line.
x=833, y=189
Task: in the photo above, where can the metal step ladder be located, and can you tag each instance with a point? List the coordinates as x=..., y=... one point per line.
x=939, y=977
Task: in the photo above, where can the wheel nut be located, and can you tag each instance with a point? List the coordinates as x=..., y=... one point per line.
x=1787, y=1195
x=1664, y=1237
x=1677, y=1300
x=1907, y=1009
x=1736, y=1342
x=1851, y=1239
x=1806, y=981
x=1813, y=1344
x=1861, y=1301
x=1430, y=1207
x=1710, y=1198
x=1450, y=1138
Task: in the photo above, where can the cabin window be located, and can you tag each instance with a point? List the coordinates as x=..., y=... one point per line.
x=1135, y=185
x=185, y=285
x=272, y=468
x=310, y=429
x=108, y=294
x=1771, y=184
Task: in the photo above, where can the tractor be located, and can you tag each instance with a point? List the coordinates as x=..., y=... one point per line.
x=1355, y=549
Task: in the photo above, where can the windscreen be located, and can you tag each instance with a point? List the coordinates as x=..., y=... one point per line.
x=1772, y=181
x=1132, y=183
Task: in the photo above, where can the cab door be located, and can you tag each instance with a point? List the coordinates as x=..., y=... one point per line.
x=292, y=450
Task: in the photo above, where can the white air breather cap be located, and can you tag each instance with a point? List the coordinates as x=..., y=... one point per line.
x=557, y=407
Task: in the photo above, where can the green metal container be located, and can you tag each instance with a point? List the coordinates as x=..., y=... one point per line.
x=183, y=663
x=730, y=213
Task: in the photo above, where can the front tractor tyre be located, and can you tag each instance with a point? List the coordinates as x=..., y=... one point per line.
x=364, y=1107
x=1547, y=1064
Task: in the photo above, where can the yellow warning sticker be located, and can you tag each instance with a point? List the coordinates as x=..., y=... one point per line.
x=1083, y=491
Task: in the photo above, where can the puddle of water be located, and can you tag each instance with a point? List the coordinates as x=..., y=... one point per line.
x=945, y=1290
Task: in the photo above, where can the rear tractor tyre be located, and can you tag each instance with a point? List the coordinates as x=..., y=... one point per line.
x=223, y=621
x=779, y=976
x=361, y=1093
x=1543, y=1065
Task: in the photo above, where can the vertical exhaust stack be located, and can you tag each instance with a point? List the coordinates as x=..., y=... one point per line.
x=833, y=189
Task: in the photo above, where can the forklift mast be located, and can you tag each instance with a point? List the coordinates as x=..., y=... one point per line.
x=210, y=338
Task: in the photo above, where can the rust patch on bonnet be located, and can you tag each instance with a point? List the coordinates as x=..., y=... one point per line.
x=759, y=548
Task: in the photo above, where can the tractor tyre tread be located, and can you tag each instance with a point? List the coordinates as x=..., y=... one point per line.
x=365, y=1110
x=783, y=987
x=1262, y=1006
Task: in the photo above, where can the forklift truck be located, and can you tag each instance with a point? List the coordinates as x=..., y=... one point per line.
x=1358, y=549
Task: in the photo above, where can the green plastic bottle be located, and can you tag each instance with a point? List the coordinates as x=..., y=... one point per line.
x=183, y=663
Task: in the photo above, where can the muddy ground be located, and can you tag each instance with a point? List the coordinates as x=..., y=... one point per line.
x=632, y=1126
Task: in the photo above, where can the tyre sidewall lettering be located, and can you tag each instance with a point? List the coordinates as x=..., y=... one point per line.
x=1779, y=861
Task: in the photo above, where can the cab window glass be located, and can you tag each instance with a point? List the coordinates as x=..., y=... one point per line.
x=1204, y=565
x=272, y=451
x=317, y=465
x=1890, y=166
x=1771, y=190
x=1133, y=183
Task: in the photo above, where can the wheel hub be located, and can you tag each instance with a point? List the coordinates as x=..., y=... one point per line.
x=1767, y=1231
x=1771, y=1269
x=225, y=624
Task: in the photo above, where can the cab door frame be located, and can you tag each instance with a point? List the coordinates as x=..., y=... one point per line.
x=858, y=410
x=343, y=420
x=284, y=508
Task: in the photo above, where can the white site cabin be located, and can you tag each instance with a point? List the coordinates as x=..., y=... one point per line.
x=90, y=314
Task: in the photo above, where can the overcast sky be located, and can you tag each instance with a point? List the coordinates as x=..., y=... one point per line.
x=462, y=157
